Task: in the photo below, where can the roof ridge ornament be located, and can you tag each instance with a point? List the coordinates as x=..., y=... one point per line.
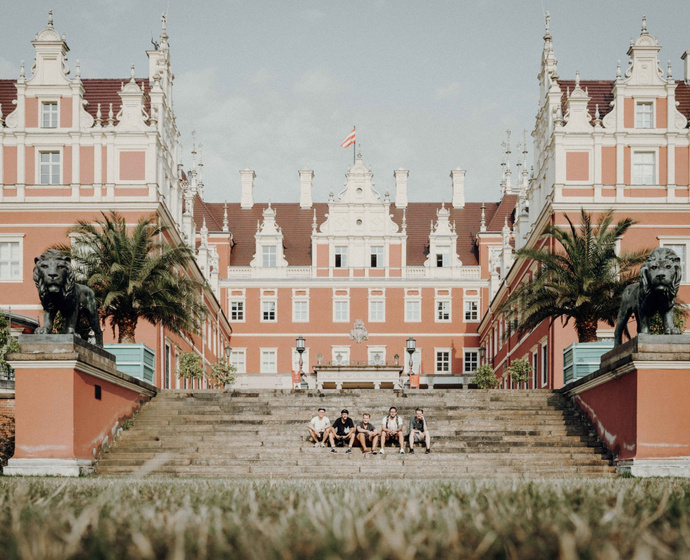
x=644, y=24
x=50, y=18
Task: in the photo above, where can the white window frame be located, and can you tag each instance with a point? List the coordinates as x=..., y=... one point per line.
x=474, y=354
x=439, y=311
x=344, y=352
x=53, y=117
x=340, y=303
x=373, y=351
x=267, y=366
x=643, y=118
x=640, y=171
x=672, y=243
x=340, y=256
x=376, y=256
x=437, y=352
x=415, y=317
x=544, y=364
x=238, y=358
x=269, y=256
x=50, y=165
x=240, y=313
x=444, y=254
x=8, y=240
x=471, y=306
x=536, y=358
x=377, y=310
x=300, y=315
x=266, y=309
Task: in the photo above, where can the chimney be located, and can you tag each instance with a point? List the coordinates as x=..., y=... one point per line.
x=247, y=180
x=457, y=177
x=401, y=187
x=686, y=74
x=306, y=178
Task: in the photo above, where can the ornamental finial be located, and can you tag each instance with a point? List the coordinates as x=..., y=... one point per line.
x=50, y=18
x=618, y=69
x=644, y=24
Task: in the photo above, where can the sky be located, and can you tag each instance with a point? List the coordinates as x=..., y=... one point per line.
x=277, y=85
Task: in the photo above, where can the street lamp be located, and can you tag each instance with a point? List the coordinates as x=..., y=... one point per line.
x=300, y=345
x=411, y=343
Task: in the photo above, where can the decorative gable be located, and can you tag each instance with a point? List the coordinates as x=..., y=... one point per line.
x=443, y=242
x=269, y=243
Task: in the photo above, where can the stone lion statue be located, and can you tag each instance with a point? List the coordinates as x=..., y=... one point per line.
x=656, y=291
x=58, y=291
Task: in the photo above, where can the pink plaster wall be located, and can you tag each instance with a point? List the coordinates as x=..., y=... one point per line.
x=31, y=108
x=67, y=165
x=30, y=165
x=629, y=112
x=86, y=168
x=104, y=164
x=626, y=165
x=66, y=112
x=577, y=166
x=132, y=166
x=661, y=108
x=681, y=166
x=9, y=162
x=608, y=165
x=663, y=165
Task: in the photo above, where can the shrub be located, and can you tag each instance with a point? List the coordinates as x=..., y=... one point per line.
x=519, y=371
x=656, y=325
x=485, y=378
x=6, y=439
x=190, y=366
x=221, y=374
x=8, y=344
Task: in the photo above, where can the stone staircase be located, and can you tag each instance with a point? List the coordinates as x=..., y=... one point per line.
x=475, y=433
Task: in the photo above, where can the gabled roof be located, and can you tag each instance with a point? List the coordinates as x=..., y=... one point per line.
x=296, y=224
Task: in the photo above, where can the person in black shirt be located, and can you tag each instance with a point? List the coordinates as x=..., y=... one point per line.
x=342, y=430
x=418, y=431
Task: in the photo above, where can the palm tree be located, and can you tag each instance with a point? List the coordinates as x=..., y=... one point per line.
x=583, y=281
x=137, y=275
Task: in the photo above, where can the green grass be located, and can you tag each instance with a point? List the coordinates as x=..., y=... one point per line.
x=169, y=518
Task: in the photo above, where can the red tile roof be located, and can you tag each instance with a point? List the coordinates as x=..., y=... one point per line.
x=103, y=91
x=296, y=224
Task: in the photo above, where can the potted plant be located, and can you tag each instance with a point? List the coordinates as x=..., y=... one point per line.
x=220, y=374
x=485, y=377
x=519, y=371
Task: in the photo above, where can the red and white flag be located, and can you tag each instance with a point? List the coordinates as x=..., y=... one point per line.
x=349, y=140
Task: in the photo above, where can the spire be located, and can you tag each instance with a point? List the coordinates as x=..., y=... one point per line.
x=204, y=234
x=164, y=32
x=482, y=222
x=313, y=223
x=508, y=188
x=225, y=217
x=548, y=59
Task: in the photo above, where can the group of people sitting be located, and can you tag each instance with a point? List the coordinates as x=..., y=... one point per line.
x=343, y=431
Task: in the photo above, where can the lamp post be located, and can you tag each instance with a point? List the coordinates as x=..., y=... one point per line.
x=411, y=343
x=300, y=346
x=482, y=353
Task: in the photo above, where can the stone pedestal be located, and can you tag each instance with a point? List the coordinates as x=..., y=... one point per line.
x=639, y=403
x=70, y=401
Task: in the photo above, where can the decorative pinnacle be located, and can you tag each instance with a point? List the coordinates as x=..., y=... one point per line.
x=644, y=24
x=547, y=21
x=78, y=70
x=482, y=223
x=131, y=72
x=669, y=73
x=22, y=72
x=618, y=69
x=50, y=18
x=577, y=78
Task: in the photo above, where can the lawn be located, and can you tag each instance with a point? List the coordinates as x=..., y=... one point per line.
x=169, y=518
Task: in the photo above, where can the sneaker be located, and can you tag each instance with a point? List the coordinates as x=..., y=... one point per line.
x=367, y=451
x=402, y=451
x=323, y=444
x=411, y=451
x=349, y=450
x=333, y=450
x=427, y=452
x=382, y=452
x=374, y=452
x=317, y=444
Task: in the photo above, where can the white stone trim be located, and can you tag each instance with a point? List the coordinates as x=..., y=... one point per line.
x=48, y=467
x=679, y=467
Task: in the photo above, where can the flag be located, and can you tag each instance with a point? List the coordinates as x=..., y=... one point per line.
x=349, y=140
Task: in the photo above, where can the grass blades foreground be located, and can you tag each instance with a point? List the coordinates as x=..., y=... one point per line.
x=170, y=518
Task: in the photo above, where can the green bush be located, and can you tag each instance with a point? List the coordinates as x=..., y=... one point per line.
x=220, y=374
x=656, y=325
x=8, y=344
x=190, y=366
x=485, y=377
x=519, y=371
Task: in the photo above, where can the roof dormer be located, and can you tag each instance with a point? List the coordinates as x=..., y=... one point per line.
x=359, y=187
x=269, y=243
x=644, y=66
x=50, y=65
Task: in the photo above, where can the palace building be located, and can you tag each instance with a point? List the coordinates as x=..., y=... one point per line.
x=360, y=274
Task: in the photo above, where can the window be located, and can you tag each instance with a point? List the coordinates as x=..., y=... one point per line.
x=376, y=257
x=167, y=363
x=238, y=358
x=49, y=114
x=471, y=311
x=643, y=168
x=377, y=355
x=377, y=311
x=341, y=311
x=341, y=355
x=268, y=360
x=340, y=257
x=471, y=361
x=300, y=311
x=643, y=115
x=50, y=168
x=237, y=310
x=269, y=256
x=535, y=369
x=544, y=365
x=10, y=260
x=442, y=311
x=413, y=311
x=680, y=249
x=443, y=361
x=268, y=311
x=442, y=257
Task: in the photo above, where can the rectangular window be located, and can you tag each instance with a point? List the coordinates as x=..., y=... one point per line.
x=300, y=311
x=442, y=361
x=238, y=358
x=341, y=355
x=340, y=257
x=269, y=256
x=377, y=311
x=413, y=311
x=237, y=310
x=377, y=356
x=442, y=257
x=644, y=115
x=442, y=311
x=49, y=114
x=535, y=369
x=269, y=363
x=268, y=311
x=544, y=366
x=167, y=365
x=376, y=257
x=10, y=260
x=644, y=168
x=471, y=311
x=471, y=361
x=341, y=311
x=681, y=250
x=50, y=168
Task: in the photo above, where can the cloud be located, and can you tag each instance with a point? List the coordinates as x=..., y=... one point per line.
x=448, y=91
x=319, y=82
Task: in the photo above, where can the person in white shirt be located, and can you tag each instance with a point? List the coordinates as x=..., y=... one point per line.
x=319, y=428
x=392, y=429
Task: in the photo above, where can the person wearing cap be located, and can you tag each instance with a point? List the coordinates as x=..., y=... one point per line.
x=342, y=430
x=319, y=428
